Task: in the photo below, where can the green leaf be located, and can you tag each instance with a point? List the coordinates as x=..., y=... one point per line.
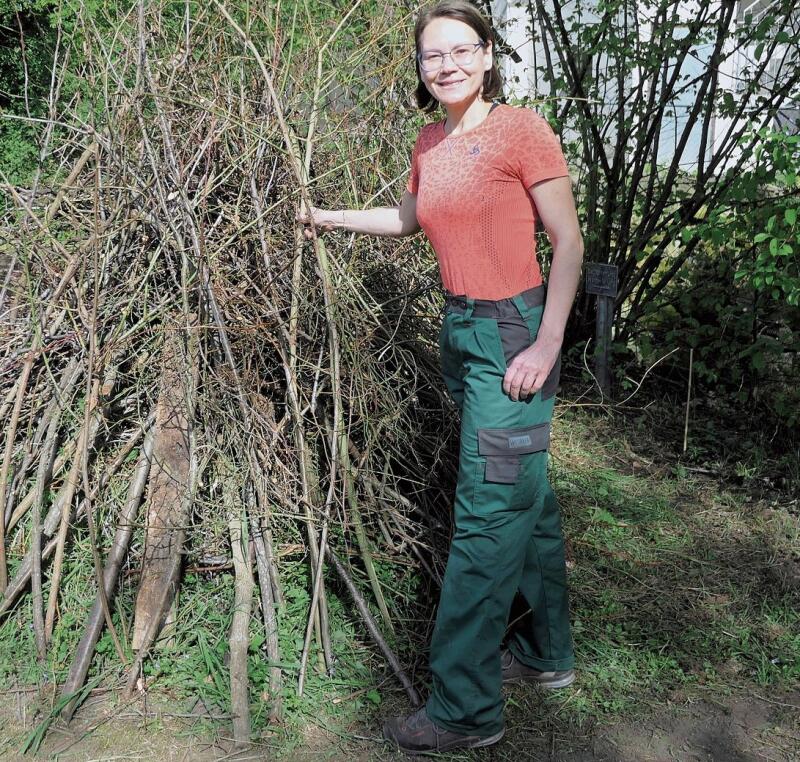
x=256, y=641
x=374, y=697
x=790, y=215
x=602, y=516
x=728, y=101
x=761, y=237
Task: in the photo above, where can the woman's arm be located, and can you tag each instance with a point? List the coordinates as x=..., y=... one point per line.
x=556, y=206
x=395, y=221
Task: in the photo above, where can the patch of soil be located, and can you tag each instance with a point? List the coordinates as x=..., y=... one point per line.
x=741, y=728
x=105, y=729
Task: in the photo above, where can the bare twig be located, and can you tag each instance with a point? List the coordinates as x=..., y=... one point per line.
x=373, y=630
x=94, y=624
x=239, y=638
x=51, y=521
x=85, y=443
x=268, y=605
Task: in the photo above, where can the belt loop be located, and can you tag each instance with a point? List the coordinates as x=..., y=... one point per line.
x=470, y=307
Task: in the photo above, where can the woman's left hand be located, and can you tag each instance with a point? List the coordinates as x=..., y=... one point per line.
x=528, y=371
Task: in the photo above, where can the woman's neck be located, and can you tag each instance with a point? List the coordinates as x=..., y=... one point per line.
x=464, y=118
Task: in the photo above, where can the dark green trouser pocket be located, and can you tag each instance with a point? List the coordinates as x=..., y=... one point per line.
x=503, y=448
x=517, y=334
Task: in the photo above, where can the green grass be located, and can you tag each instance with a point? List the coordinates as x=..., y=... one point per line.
x=672, y=581
x=18, y=662
x=191, y=663
x=680, y=587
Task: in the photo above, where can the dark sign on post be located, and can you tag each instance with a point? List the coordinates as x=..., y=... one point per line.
x=601, y=280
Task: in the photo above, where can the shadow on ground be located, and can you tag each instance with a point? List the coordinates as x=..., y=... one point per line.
x=685, y=605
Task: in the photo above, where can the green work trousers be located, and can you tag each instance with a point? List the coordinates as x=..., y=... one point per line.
x=507, y=533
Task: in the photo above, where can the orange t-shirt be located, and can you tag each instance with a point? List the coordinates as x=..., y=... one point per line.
x=473, y=202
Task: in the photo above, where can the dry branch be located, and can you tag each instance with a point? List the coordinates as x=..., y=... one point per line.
x=94, y=624
x=268, y=606
x=47, y=454
x=11, y=431
x=86, y=440
x=23, y=575
x=239, y=637
x=167, y=514
x=374, y=631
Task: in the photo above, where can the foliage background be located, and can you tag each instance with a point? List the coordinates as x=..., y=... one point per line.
x=731, y=294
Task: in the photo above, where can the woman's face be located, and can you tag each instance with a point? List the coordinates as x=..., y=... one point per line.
x=453, y=83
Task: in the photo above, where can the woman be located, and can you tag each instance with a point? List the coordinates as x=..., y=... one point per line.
x=478, y=181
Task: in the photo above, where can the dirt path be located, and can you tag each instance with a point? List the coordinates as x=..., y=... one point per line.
x=734, y=729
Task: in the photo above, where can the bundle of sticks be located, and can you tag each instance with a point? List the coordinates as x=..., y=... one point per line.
x=167, y=326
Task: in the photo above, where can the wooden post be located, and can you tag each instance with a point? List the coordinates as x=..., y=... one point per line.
x=601, y=280
x=688, y=400
x=168, y=497
x=603, y=338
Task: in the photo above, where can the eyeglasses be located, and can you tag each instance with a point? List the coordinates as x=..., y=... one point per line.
x=461, y=55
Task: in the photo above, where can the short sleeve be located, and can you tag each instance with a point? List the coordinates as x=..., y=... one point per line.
x=538, y=150
x=412, y=184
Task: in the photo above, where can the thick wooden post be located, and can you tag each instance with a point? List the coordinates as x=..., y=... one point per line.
x=169, y=493
x=603, y=338
x=601, y=280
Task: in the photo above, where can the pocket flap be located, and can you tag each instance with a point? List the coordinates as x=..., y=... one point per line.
x=517, y=441
x=502, y=469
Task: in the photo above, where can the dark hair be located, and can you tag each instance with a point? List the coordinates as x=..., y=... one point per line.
x=460, y=10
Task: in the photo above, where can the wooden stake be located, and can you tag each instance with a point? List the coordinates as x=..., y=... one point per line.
x=688, y=399
x=168, y=486
x=239, y=639
x=94, y=623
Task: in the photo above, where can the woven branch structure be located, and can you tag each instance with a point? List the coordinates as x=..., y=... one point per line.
x=167, y=327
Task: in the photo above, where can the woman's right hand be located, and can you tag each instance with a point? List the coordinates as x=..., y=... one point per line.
x=322, y=219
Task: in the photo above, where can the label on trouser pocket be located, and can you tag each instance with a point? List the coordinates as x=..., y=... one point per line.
x=502, y=448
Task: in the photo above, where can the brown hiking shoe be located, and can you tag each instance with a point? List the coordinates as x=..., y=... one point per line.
x=515, y=671
x=417, y=734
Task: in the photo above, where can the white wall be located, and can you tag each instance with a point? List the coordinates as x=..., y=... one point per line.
x=522, y=79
